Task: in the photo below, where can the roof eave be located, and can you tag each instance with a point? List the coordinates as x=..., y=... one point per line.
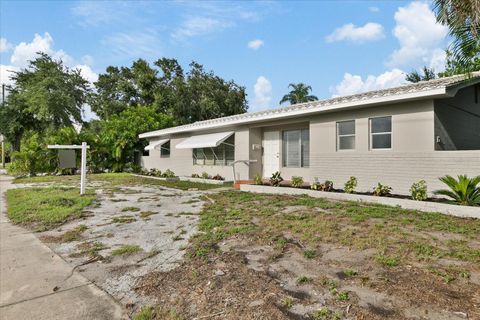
x=431, y=94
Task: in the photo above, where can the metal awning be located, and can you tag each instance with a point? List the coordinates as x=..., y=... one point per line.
x=156, y=144
x=205, y=140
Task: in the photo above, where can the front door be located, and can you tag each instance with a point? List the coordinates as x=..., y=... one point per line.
x=271, y=153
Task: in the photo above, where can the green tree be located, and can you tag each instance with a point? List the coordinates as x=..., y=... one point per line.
x=300, y=93
x=463, y=20
x=415, y=76
x=115, y=141
x=45, y=95
x=196, y=96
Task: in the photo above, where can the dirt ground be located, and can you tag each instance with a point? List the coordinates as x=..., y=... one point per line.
x=129, y=232
x=256, y=265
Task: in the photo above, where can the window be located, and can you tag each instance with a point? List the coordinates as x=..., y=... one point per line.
x=296, y=148
x=381, y=133
x=165, y=150
x=223, y=155
x=346, y=135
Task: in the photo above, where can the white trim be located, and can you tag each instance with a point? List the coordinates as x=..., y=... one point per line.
x=296, y=110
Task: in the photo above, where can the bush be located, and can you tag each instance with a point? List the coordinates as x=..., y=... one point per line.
x=327, y=185
x=382, y=190
x=205, y=175
x=195, y=175
x=258, y=179
x=418, y=190
x=297, y=182
x=275, y=179
x=154, y=173
x=168, y=174
x=218, y=177
x=316, y=185
x=350, y=185
x=465, y=190
x=33, y=158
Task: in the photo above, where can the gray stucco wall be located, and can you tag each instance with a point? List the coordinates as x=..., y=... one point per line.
x=413, y=156
x=457, y=121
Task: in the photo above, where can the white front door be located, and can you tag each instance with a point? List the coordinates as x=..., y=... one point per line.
x=271, y=153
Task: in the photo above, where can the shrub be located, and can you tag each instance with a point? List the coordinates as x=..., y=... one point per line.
x=465, y=190
x=350, y=185
x=275, y=179
x=154, y=173
x=297, y=182
x=205, y=175
x=418, y=190
x=218, y=177
x=326, y=186
x=258, y=179
x=382, y=190
x=315, y=184
x=168, y=174
x=195, y=175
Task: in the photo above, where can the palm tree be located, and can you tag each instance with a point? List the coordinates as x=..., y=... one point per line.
x=464, y=190
x=463, y=20
x=415, y=76
x=298, y=94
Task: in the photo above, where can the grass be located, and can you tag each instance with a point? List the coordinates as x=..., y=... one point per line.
x=126, y=250
x=45, y=208
x=120, y=179
x=133, y=209
x=158, y=313
x=145, y=215
x=388, y=261
x=304, y=280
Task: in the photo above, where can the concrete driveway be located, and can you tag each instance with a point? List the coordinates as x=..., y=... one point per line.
x=35, y=283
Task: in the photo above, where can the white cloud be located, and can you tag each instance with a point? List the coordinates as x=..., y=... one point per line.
x=198, y=26
x=5, y=45
x=420, y=36
x=374, y=9
x=87, y=72
x=353, y=84
x=369, y=32
x=6, y=73
x=255, y=44
x=134, y=44
x=25, y=52
x=263, y=93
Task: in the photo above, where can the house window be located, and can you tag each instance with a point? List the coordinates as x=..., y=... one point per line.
x=165, y=150
x=381, y=133
x=346, y=135
x=296, y=148
x=223, y=155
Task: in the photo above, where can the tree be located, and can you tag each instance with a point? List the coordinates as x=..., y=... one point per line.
x=300, y=93
x=45, y=95
x=415, y=76
x=114, y=141
x=463, y=20
x=196, y=96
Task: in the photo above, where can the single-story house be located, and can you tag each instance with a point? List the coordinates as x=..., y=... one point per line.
x=395, y=136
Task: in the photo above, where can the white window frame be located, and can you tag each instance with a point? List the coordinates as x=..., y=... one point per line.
x=370, y=135
x=300, y=149
x=347, y=135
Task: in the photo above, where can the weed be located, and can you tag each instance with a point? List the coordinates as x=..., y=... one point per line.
x=309, y=254
x=287, y=302
x=126, y=250
x=304, y=280
x=321, y=313
x=123, y=219
x=388, y=261
x=350, y=272
x=342, y=296
x=133, y=209
x=145, y=215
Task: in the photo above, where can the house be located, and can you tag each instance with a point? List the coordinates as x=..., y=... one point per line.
x=395, y=136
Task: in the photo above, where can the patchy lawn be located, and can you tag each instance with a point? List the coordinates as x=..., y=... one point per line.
x=45, y=208
x=287, y=257
x=118, y=180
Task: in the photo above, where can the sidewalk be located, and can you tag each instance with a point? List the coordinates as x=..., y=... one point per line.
x=35, y=282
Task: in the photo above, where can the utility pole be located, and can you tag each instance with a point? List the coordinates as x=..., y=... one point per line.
x=1, y=136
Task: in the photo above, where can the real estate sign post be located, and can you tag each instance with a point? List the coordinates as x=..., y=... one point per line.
x=83, y=165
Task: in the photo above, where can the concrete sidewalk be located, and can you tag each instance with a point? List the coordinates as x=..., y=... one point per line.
x=35, y=283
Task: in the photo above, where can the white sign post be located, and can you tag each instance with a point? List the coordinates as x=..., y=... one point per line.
x=83, y=165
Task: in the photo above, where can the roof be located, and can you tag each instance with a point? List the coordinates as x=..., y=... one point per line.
x=437, y=88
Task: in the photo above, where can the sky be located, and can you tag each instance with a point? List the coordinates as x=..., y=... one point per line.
x=336, y=47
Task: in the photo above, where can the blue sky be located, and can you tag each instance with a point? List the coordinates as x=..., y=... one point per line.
x=337, y=47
